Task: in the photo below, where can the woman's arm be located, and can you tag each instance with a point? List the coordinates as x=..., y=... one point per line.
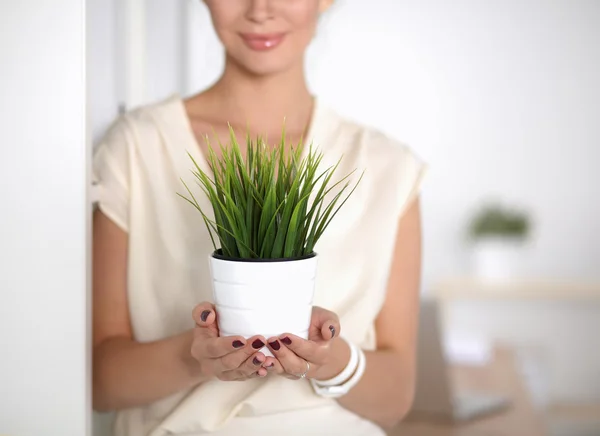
x=127, y=373
x=385, y=392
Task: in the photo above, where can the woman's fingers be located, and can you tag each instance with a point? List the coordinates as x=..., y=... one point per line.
x=290, y=362
x=235, y=358
x=278, y=369
x=250, y=368
x=272, y=365
x=307, y=350
x=325, y=325
x=330, y=329
x=253, y=365
x=211, y=347
x=233, y=361
x=204, y=314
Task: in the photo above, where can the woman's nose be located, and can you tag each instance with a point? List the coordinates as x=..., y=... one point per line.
x=259, y=11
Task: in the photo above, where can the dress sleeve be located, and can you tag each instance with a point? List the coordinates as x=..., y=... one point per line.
x=412, y=172
x=111, y=172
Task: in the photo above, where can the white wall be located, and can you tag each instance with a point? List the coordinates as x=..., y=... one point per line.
x=104, y=64
x=108, y=44
x=501, y=97
x=166, y=26
x=44, y=363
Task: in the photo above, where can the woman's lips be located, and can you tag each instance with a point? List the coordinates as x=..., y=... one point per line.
x=262, y=42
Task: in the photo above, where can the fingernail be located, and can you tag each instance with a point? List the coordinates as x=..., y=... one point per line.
x=256, y=361
x=271, y=365
x=238, y=344
x=257, y=344
x=287, y=341
x=204, y=315
x=275, y=345
x=332, y=330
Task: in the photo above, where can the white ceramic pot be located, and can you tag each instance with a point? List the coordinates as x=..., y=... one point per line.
x=497, y=258
x=263, y=297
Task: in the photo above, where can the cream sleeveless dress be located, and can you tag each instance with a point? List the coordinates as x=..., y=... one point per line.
x=138, y=166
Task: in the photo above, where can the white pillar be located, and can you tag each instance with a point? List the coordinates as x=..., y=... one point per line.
x=131, y=49
x=44, y=220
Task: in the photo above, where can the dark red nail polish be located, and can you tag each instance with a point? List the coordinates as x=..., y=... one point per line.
x=204, y=315
x=257, y=344
x=256, y=361
x=287, y=341
x=275, y=345
x=332, y=330
x=238, y=344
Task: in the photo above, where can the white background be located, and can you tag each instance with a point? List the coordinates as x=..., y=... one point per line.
x=44, y=219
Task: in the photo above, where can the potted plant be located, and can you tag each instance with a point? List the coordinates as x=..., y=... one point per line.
x=269, y=210
x=498, y=235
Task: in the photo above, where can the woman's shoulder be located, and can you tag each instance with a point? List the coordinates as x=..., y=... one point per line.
x=369, y=142
x=144, y=124
x=160, y=113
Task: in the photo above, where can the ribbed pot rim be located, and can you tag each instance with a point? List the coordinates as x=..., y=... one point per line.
x=218, y=255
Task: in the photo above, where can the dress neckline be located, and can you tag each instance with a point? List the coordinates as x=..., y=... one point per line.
x=197, y=153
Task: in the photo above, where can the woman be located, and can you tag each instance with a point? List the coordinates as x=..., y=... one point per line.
x=167, y=373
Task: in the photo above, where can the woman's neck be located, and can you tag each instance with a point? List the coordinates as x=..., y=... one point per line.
x=262, y=102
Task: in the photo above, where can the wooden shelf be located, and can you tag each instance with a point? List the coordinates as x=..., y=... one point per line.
x=522, y=289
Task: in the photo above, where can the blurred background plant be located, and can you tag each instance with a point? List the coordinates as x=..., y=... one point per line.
x=494, y=220
x=497, y=235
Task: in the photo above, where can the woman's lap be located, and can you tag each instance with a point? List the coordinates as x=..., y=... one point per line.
x=323, y=421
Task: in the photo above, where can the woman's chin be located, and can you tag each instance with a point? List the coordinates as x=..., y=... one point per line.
x=264, y=66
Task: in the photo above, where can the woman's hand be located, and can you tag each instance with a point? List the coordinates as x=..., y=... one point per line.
x=226, y=358
x=324, y=352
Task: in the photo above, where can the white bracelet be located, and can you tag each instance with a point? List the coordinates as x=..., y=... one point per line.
x=343, y=389
x=346, y=372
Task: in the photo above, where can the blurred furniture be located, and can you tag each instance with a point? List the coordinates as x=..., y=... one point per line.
x=522, y=289
x=551, y=325
x=436, y=395
x=573, y=420
x=500, y=377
